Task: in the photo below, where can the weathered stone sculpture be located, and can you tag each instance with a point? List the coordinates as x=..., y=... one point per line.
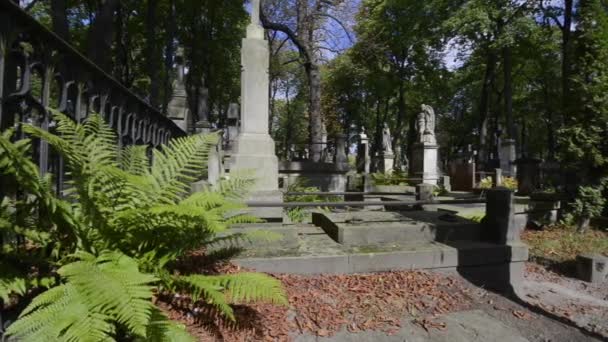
x=386, y=158
x=387, y=144
x=426, y=125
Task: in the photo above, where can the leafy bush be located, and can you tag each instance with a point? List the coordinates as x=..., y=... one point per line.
x=125, y=223
x=510, y=183
x=486, y=183
x=589, y=203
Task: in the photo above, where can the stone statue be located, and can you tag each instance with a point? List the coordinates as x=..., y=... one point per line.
x=363, y=134
x=387, y=145
x=426, y=125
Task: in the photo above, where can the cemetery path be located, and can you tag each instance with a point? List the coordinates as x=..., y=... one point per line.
x=391, y=306
x=584, y=304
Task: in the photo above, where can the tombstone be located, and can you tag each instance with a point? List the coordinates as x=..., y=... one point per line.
x=363, y=157
x=177, y=109
x=340, y=154
x=425, y=151
x=254, y=149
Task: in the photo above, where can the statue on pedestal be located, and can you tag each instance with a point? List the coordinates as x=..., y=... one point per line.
x=425, y=125
x=387, y=144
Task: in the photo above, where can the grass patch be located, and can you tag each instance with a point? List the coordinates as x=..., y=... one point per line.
x=563, y=243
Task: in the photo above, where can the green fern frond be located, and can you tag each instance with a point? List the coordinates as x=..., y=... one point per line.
x=179, y=163
x=221, y=290
x=134, y=159
x=162, y=329
x=61, y=313
x=252, y=287
x=237, y=186
x=203, y=287
x=112, y=284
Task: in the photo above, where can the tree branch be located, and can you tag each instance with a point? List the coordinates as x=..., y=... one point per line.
x=30, y=5
x=289, y=32
x=339, y=23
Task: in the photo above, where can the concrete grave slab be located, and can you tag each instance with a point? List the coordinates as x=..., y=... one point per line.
x=376, y=227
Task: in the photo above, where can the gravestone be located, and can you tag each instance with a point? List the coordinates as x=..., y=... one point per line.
x=177, y=109
x=254, y=149
x=425, y=151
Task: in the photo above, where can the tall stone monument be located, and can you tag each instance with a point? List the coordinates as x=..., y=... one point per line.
x=254, y=149
x=177, y=109
x=425, y=151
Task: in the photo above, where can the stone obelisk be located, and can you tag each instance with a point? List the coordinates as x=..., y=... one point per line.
x=254, y=149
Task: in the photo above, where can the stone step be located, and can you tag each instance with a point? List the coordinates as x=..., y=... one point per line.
x=379, y=258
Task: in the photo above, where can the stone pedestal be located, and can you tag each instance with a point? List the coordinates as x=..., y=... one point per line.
x=363, y=157
x=424, y=163
x=386, y=163
x=254, y=149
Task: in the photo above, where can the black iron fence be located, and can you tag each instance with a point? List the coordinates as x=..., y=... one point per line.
x=39, y=70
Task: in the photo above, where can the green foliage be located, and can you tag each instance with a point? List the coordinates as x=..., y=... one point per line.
x=510, y=183
x=127, y=220
x=589, y=202
x=486, y=183
x=300, y=214
x=97, y=291
x=396, y=177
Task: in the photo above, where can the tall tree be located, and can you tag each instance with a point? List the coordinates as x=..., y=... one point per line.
x=304, y=33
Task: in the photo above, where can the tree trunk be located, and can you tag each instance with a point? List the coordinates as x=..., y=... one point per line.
x=151, y=52
x=484, y=101
x=508, y=90
x=566, y=71
x=60, y=19
x=169, y=55
x=101, y=34
x=316, y=120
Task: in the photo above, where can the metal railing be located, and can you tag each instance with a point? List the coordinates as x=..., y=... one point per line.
x=38, y=70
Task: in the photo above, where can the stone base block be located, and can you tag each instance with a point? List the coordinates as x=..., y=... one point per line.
x=268, y=214
x=592, y=268
x=424, y=164
x=255, y=153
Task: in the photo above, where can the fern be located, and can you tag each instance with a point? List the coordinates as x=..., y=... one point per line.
x=127, y=219
x=99, y=292
x=220, y=291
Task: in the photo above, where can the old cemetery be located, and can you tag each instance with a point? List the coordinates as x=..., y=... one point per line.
x=289, y=171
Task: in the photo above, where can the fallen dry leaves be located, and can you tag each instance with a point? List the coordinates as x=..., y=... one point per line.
x=325, y=305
